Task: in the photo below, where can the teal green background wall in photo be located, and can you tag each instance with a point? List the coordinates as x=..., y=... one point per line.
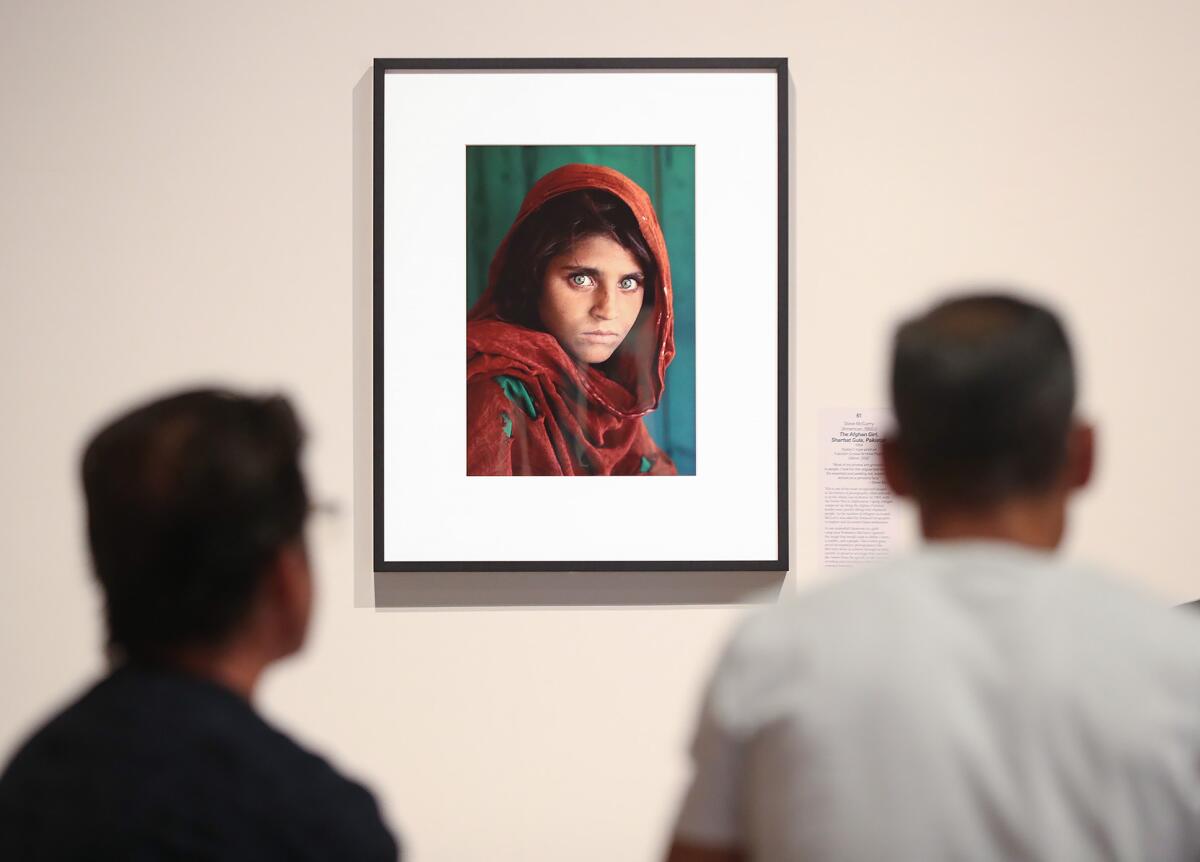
x=498, y=178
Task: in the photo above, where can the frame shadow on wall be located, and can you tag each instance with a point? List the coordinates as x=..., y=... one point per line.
x=498, y=589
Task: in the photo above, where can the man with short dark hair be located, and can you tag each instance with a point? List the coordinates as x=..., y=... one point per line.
x=196, y=508
x=978, y=699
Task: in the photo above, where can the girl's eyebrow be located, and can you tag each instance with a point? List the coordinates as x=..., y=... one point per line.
x=595, y=273
x=581, y=270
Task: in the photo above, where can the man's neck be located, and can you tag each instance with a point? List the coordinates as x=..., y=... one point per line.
x=236, y=670
x=1035, y=522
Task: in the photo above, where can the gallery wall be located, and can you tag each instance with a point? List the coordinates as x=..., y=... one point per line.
x=183, y=193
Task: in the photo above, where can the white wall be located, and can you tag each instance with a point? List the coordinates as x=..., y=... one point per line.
x=177, y=204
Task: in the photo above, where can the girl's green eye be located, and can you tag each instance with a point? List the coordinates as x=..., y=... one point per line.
x=580, y=280
x=629, y=283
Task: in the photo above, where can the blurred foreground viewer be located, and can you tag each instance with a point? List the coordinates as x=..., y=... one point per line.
x=978, y=699
x=196, y=508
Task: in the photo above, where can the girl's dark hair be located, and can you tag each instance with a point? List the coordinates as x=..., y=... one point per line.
x=551, y=230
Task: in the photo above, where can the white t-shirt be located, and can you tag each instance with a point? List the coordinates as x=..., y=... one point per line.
x=974, y=701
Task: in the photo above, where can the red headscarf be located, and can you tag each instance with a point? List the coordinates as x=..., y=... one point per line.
x=577, y=419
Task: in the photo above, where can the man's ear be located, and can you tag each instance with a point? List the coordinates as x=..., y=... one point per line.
x=895, y=471
x=290, y=586
x=1081, y=455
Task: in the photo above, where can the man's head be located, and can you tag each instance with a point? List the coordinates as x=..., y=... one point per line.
x=196, y=507
x=983, y=389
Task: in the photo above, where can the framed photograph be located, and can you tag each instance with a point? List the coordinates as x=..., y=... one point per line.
x=608, y=238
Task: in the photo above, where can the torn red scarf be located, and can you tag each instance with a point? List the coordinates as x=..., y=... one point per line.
x=532, y=410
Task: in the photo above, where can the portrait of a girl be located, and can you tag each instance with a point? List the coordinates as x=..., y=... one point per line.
x=568, y=347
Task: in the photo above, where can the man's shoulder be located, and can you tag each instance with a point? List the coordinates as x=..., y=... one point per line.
x=814, y=613
x=777, y=650
x=1098, y=601
x=974, y=585
x=929, y=612
x=154, y=750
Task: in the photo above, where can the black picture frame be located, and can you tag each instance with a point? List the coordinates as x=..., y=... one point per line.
x=383, y=67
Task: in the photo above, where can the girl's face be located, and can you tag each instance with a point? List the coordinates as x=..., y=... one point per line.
x=591, y=296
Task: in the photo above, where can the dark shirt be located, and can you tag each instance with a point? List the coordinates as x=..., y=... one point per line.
x=156, y=765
